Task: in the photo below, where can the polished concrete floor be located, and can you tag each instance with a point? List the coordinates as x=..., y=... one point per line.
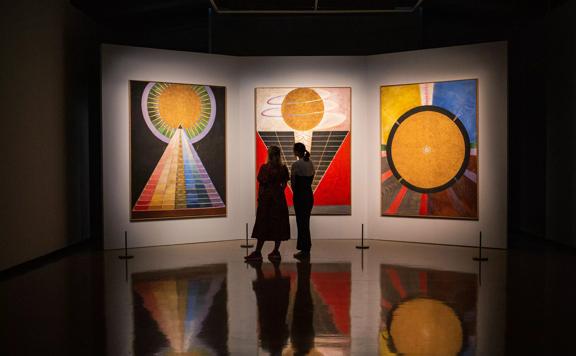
x=202, y=299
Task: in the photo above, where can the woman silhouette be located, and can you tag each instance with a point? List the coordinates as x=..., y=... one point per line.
x=272, y=223
x=301, y=180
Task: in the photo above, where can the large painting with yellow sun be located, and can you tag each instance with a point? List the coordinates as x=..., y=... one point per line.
x=320, y=119
x=177, y=150
x=429, y=149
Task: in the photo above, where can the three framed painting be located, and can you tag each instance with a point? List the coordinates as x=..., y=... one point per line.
x=429, y=147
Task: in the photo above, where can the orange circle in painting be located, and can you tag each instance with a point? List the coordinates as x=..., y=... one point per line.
x=179, y=105
x=426, y=327
x=302, y=109
x=428, y=149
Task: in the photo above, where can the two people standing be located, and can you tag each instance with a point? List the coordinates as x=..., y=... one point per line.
x=272, y=223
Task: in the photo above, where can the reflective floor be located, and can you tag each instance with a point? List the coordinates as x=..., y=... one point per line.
x=202, y=299
x=388, y=300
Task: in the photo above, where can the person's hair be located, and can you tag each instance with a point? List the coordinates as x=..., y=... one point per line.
x=274, y=157
x=301, y=151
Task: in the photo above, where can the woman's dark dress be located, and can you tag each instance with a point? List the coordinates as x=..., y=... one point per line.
x=303, y=203
x=272, y=222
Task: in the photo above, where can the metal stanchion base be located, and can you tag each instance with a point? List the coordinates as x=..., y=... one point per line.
x=246, y=246
x=362, y=247
x=480, y=259
x=125, y=257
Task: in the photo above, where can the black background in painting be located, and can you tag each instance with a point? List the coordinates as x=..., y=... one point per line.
x=146, y=149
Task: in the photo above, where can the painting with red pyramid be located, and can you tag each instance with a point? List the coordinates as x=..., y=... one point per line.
x=320, y=118
x=177, y=143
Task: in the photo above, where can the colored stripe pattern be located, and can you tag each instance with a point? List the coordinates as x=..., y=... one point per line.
x=179, y=180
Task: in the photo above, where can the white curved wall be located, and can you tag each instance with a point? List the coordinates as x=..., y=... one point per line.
x=240, y=75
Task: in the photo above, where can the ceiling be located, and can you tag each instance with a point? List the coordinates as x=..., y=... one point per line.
x=370, y=26
x=315, y=5
x=106, y=9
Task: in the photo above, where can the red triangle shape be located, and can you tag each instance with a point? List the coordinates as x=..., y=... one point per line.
x=334, y=189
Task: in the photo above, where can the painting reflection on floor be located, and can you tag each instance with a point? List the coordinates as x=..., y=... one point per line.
x=303, y=309
x=427, y=312
x=393, y=299
x=181, y=312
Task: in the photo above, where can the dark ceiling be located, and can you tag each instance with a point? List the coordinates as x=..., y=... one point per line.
x=315, y=5
x=101, y=10
x=194, y=25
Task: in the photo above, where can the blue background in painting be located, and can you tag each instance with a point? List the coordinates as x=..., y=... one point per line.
x=459, y=97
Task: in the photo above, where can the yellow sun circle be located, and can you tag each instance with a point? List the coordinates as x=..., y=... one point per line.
x=426, y=327
x=302, y=109
x=428, y=149
x=179, y=105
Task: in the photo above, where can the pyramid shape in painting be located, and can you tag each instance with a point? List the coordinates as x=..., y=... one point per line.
x=179, y=181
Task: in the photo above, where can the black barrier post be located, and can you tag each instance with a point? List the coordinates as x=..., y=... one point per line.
x=125, y=256
x=480, y=258
x=362, y=246
x=246, y=245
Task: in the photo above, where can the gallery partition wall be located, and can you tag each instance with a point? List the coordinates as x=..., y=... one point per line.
x=411, y=145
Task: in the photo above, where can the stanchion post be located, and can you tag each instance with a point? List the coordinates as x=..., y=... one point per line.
x=362, y=246
x=480, y=258
x=125, y=256
x=246, y=245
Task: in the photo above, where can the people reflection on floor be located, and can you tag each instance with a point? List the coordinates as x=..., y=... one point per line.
x=302, y=333
x=302, y=175
x=272, y=297
x=272, y=222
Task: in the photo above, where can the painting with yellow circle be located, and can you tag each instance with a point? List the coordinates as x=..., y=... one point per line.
x=177, y=150
x=429, y=149
x=320, y=119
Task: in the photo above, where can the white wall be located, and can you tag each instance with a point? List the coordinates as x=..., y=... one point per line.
x=119, y=66
x=364, y=75
x=488, y=64
x=310, y=72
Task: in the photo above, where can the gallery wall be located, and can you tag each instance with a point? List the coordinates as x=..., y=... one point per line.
x=488, y=64
x=364, y=75
x=45, y=73
x=119, y=66
x=259, y=72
